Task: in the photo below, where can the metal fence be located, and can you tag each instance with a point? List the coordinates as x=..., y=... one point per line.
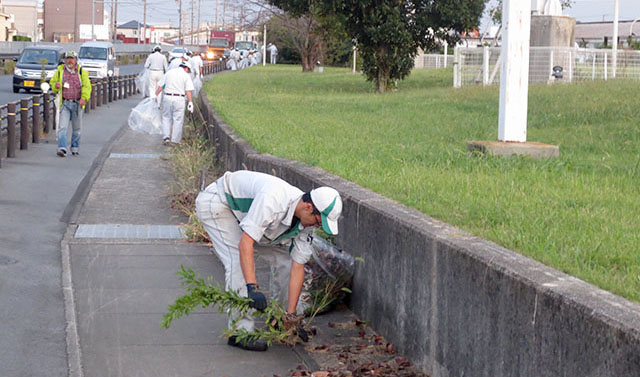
x=433, y=61
x=30, y=119
x=481, y=66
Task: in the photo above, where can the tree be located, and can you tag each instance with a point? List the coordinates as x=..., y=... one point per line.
x=309, y=28
x=389, y=32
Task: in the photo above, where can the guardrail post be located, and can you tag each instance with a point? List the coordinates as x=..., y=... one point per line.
x=105, y=88
x=98, y=94
x=46, y=112
x=92, y=99
x=24, y=123
x=130, y=86
x=125, y=84
x=36, y=124
x=11, y=129
x=110, y=85
x=134, y=86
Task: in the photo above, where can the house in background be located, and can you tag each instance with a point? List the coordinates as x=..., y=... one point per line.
x=6, y=27
x=131, y=32
x=600, y=34
x=27, y=17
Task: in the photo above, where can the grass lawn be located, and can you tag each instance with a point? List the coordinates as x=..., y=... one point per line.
x=579, y=213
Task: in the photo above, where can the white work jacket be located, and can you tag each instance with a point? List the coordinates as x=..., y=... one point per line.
x=264, y=206
x=156, y=62
x=176, y=81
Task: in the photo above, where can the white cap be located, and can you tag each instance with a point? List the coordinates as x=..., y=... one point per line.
x=328, y=202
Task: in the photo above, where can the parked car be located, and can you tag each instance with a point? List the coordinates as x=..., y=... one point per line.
x=98, y=59
x=28, y=72
x=177, y=52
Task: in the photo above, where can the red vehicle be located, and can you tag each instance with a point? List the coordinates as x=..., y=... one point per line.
x=218, y=43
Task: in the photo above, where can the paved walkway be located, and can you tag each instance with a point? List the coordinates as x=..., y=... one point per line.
x=118, y=260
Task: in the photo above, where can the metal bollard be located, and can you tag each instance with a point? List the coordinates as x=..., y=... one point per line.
x=36, y=125
x=131, y=79
x=11, y=129
x=98, y=93
x=133, y=85
x=92, y=99
x=125, y=83
x=87, y=107
x=110, y=90
x=105, y=89
x=24, y=123
x=46, y=112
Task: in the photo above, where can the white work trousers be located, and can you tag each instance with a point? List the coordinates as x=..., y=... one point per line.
x=225, y=233
x=154, y=79
x=172, y=117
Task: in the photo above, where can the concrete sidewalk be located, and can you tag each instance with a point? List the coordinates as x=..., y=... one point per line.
x=37, y=193
x=123, y=252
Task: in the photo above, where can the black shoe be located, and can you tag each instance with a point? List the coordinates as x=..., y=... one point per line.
x=256, y=345
x=75, y=153
x=166, y=141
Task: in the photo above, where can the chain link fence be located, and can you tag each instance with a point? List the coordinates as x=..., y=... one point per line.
x=481, y=66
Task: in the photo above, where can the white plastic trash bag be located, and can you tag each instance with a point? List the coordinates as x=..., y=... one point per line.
x=142, y=82
x=197, y=85
x=146, y=117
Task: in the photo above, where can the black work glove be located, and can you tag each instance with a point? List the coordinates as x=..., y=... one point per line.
x=298, y=322
x=259, y=301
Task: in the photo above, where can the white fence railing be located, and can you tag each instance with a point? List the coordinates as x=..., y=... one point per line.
x=481, y=66
x=433, y=61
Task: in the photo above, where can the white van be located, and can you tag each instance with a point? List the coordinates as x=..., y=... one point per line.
x=98, y=59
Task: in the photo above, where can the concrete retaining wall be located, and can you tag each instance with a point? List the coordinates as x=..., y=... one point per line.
x=455, y=304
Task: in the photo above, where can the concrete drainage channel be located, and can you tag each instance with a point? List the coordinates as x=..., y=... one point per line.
x=455, y=304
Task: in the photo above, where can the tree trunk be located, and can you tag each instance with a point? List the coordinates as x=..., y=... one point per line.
x=382, y=78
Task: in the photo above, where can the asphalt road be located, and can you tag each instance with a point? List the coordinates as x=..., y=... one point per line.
x=6, y=84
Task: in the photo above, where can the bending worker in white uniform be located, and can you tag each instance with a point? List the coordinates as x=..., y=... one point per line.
x=245, y=207
x=176, y=84
x=157, y=65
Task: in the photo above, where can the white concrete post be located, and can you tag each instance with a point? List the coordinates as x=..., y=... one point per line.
x=264, y=45
x=605, y=67
x=514, y=75
x=571, y=66
x=456, y=67
x=355, y=52
x=614, y=62
x=551, y=76
x=485, y=66
x=446, y=51
x=593, y=68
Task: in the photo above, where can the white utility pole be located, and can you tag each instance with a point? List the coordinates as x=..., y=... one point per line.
x=191, y=22
x=216, y=23
x=93, y=19
x=514, y=75
x=144, y=23
x=614, y=61
x=198, y=25
x=264, y=46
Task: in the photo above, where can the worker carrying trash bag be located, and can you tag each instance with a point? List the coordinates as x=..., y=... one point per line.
x=156, y=63
x=245, y=207
x=175, y=86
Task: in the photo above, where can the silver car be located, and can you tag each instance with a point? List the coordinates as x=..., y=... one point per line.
x=98, y=59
